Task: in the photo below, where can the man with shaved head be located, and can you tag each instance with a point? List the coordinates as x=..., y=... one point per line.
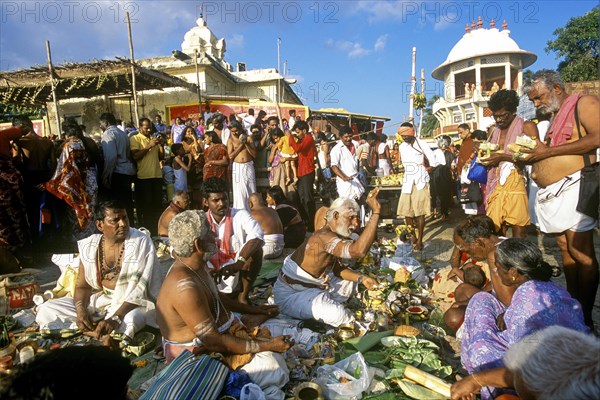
x=181, y=202
x=269, y=221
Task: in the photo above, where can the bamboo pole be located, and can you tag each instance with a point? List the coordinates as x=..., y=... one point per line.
x=133, y=86
x=422, y=111
x=51, y=70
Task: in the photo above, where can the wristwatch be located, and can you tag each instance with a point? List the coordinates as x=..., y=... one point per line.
x=117, y=319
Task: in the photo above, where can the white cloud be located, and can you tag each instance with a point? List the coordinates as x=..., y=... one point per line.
x=352, y=49
x=235, y=41
x=380, y=42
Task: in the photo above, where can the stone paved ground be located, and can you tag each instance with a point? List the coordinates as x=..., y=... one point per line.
x=438, y=236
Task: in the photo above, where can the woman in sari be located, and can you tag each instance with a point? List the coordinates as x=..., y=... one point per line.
x=216, y=158
x=74, y=181
x=13, y=218
x=492, y=326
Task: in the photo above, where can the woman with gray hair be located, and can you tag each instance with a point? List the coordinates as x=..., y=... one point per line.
x=555, y=363
x=491, y=326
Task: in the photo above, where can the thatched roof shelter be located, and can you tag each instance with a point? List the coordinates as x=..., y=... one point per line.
x=72, y=80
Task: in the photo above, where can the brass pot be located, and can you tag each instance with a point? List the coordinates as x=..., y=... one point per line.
x=308, y=391
x=345, y=332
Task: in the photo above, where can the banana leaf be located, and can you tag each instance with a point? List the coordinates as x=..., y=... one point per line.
x=368, y=341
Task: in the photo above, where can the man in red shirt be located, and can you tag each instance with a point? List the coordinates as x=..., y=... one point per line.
x=305, y=148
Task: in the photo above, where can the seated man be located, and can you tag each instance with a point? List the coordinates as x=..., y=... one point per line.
x=180, y=202
x=271, y=225
x=306, y=288
x=193, y=315
x=117, y=282
x=239, y=241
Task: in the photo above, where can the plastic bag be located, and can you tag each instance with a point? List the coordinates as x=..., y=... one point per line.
x=346, y=379
x=252, y=391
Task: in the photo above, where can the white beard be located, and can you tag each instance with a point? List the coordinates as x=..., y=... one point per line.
x=343, y=230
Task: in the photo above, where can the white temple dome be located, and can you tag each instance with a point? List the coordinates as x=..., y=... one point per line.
x=482, y=42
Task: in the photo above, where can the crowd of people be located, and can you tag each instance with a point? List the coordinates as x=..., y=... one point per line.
x=220, y=228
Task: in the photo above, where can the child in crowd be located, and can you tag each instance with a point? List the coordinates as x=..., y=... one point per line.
x=181, y=166
x=289, y=158
x=168, y=178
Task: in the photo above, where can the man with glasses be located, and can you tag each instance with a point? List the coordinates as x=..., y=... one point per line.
x=506, y=194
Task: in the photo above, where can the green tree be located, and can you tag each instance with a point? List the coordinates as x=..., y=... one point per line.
x=430, y=122
x=577, y=45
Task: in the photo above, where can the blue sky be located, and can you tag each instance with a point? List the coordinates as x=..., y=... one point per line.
x=351, y=54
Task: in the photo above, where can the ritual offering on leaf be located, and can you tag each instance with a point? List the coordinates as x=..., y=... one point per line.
x=522, y=142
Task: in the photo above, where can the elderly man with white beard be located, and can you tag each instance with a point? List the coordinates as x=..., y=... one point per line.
x=313, y=283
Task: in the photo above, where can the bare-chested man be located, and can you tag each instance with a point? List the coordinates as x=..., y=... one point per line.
x=313, y=283
x=181, y=202
x=506, y=194
x=557, y=170
x=242, y=152
x=193, y=315
x=270, y=223
x=37, y=163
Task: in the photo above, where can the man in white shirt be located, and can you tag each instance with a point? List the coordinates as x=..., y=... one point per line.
x=248, y=120
x=344, y=164
x=415, y=200
x=239, y=242
x=292, y=120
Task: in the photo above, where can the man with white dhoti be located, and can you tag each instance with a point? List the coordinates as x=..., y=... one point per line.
x=240, y=241
x=117, y=283
x=243, y=179
x=344, y=164
x=313, y=284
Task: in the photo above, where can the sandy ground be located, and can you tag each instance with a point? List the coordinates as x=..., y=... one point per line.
x=438, y=239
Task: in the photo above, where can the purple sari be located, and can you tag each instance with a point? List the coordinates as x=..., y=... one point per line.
x=535, y=305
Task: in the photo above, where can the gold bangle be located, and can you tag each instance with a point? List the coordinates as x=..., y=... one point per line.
x=476, y=381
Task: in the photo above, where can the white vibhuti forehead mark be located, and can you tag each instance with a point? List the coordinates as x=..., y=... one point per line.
x=204, y=328
x=186, y=284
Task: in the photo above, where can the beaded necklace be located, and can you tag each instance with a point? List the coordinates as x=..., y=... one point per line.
x=107, y=272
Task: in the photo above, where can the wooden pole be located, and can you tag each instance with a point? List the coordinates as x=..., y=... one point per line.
x=422, y=112
x=133, y=86
x=51, y=70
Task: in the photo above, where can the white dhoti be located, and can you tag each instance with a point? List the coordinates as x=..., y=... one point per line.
x=302, y=302
x=61, y=313
x=556, y=207
x=243, y=181
x=385, y=166
x=269, y=371
x=352, y=189
x=273, y=246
